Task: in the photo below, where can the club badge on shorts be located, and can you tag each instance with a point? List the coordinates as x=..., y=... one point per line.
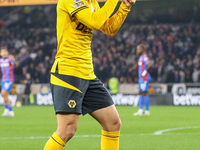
x=72, y=103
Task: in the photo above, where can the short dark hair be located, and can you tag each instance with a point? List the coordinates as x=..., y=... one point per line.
x=143, y=47
x=3, y=49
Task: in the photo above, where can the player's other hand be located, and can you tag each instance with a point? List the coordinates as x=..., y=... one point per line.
x=129, y=3
x=144, y=73
x=12, y=57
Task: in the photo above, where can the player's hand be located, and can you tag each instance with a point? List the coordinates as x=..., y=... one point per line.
x=144, y=73
x=12, y=57
x=129, y=3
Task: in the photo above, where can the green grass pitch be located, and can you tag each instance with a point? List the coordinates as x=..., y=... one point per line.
x=32, y=125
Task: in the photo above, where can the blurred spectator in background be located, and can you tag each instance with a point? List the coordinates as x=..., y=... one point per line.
x=195, y=75
x=27, y=81
x=177, y=77
x=113, y=85
x=182, y=76
x=195, y=16
x=2, y=23
x=43, y=77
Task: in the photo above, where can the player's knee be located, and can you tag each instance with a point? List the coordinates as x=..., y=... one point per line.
x=145, y=94
x=140, y=93
x=3, y=94
x=118, y=124
x=112, y=126
x=67, y=132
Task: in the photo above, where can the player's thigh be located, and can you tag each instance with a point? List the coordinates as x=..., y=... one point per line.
x=99, y=104
x=108, y=118
x=145, y=93
x=143, y=85
x=96, y=97
x=4, y=93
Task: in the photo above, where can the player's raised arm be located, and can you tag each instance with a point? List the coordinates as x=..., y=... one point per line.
x=13, y=62
x=95, y=20
x=12, y=58
x=112, y=25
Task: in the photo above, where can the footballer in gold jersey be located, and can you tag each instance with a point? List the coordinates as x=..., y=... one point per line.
x=75, y=88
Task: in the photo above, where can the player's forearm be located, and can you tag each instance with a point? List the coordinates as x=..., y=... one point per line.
x=95, y=20
x=149, y=65
x=13, y=62
x=147, y=69
x=112, y=25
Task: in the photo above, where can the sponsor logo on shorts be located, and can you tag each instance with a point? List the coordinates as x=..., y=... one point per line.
x=78, y=4
x=72, y=103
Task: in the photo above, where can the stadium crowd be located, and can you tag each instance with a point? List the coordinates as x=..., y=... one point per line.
x=34, y=51
x=174, y=48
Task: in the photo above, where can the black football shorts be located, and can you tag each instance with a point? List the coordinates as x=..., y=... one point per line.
x=76, y=95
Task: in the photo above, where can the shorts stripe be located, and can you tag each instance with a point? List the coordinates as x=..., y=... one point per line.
x=59, y=82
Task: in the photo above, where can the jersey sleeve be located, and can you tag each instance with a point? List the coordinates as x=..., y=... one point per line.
x=73, y=6
x=12, y=61
x=95, y=20
x=113, y=24
x=140, y=61
x=146, y=59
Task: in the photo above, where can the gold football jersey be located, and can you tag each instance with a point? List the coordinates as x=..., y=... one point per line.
x=74, y=56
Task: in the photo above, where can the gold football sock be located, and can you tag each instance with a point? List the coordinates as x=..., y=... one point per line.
x=110, y=140
x=54, y=143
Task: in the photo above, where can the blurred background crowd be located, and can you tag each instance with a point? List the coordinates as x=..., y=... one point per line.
x=29, y=34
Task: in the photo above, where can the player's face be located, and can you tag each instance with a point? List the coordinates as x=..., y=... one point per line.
x=139, y=51
x=4, y=53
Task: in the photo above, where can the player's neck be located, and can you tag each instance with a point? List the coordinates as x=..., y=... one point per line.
x=5, y=57
x=142, y=54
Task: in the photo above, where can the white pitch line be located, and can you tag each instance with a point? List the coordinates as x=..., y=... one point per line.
x=46, y=137
x=174, y=129
x=89, y=136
